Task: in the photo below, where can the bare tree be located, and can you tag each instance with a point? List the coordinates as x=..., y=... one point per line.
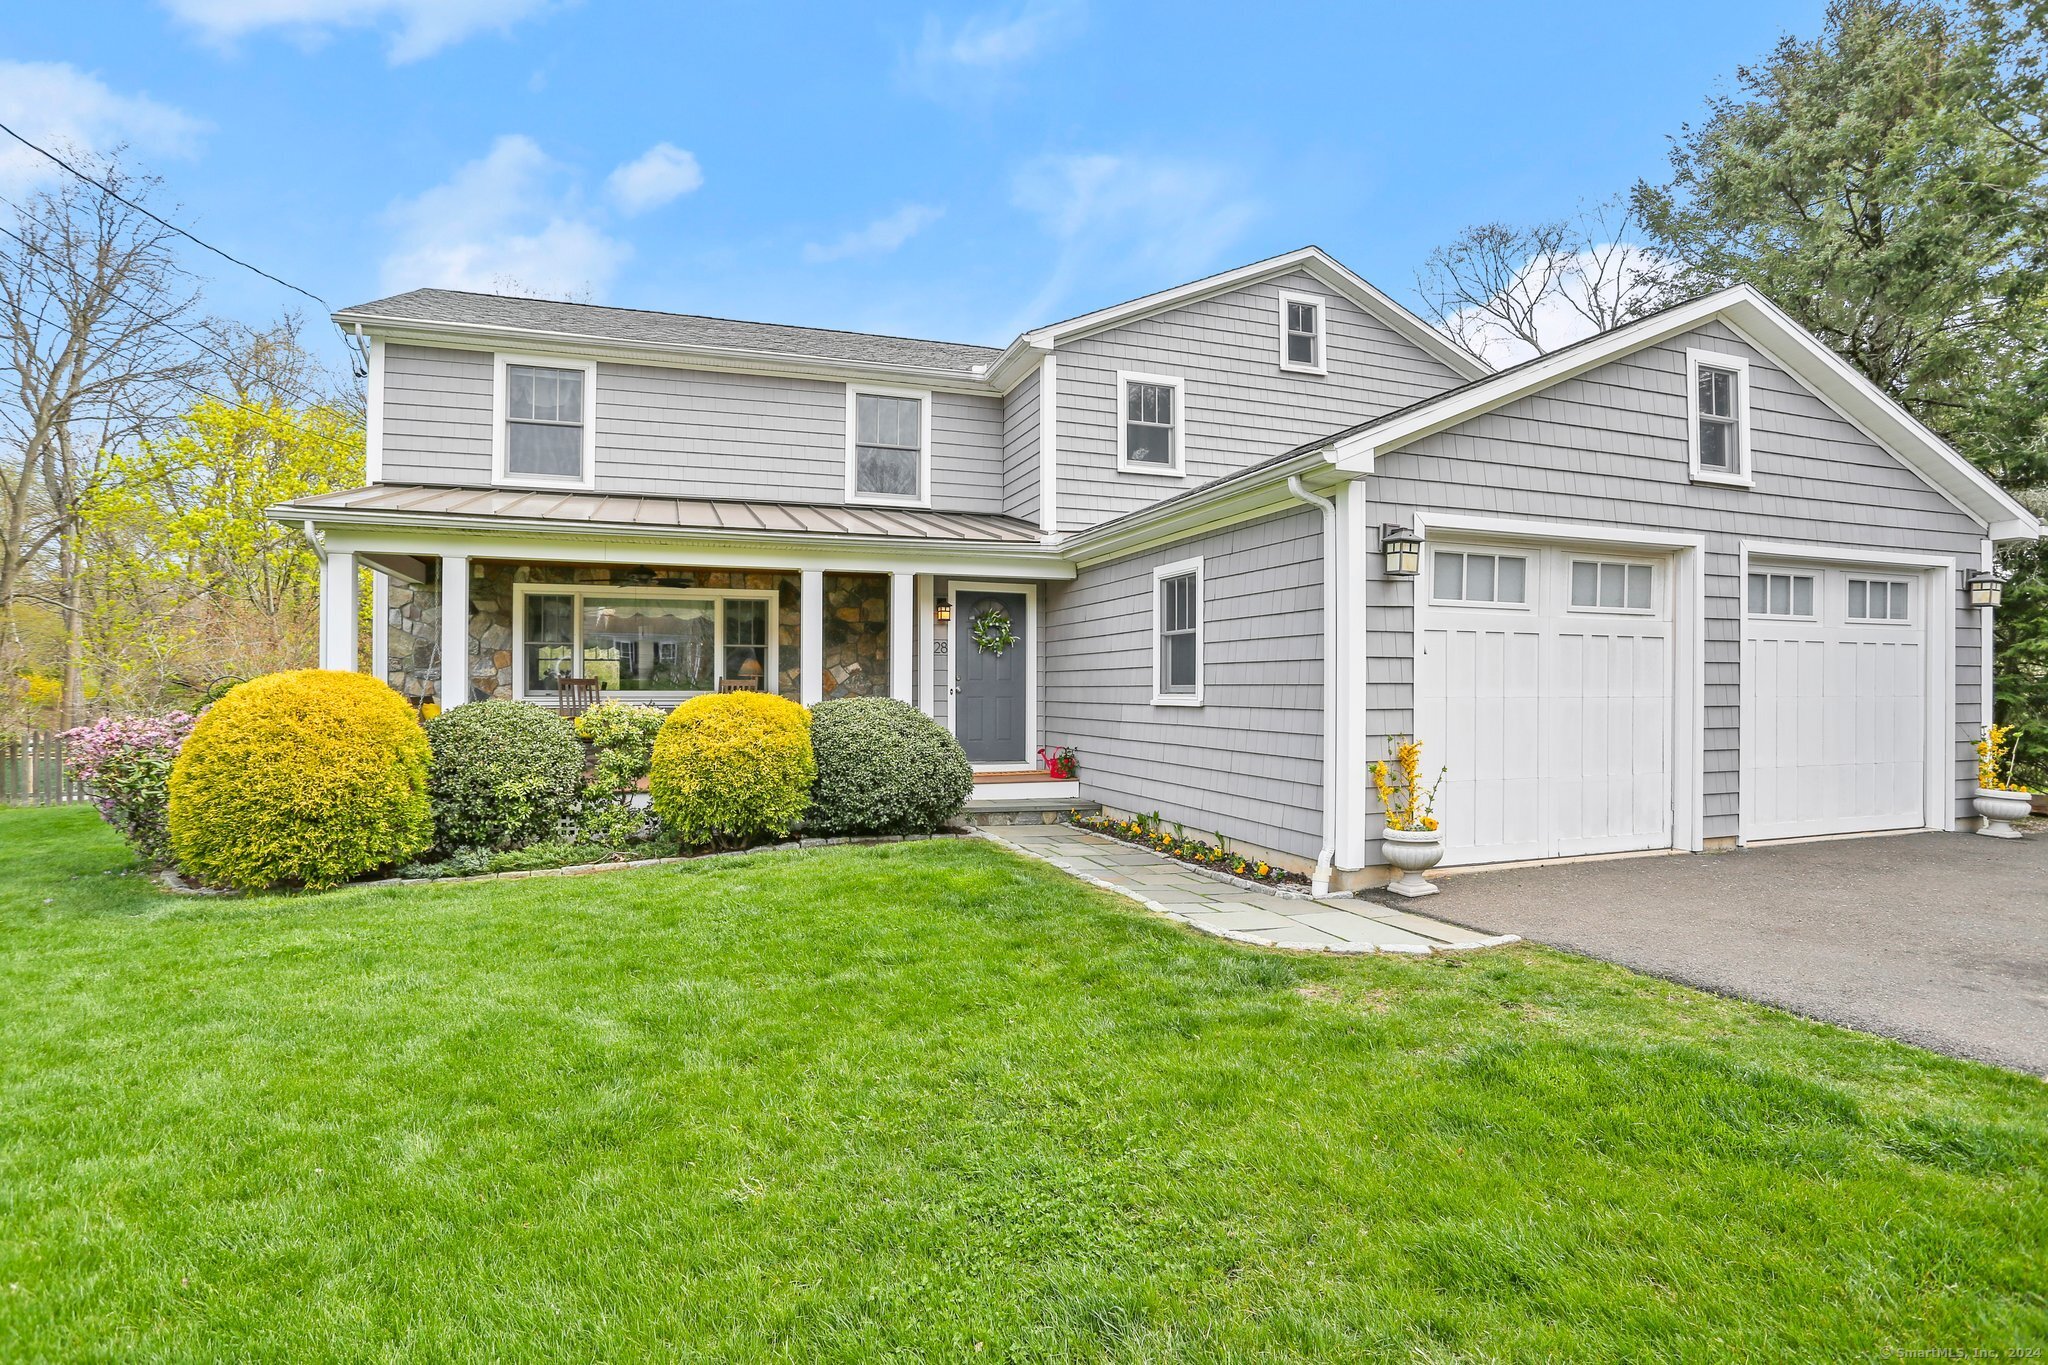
x=92, y=300
x=1503, y=292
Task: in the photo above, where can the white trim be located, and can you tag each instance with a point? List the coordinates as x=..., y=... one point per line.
x=1744, y=473
x=1124, y=463
x=771, y=671
x=1160, y=696
x=924, y=453
x=1688, y=588
x=1049, y=445
x=373, y=416
x=1830, y=378
x=501, y=393
x=956, y=586
x=338, y=609
x=1988, y=649
x=380, y=614
x=925, y=628
x=455, y=627
x=1938, y=576
x=810, y=626
x=1322, y=307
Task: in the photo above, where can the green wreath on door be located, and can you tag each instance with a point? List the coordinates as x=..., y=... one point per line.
x=992, y=631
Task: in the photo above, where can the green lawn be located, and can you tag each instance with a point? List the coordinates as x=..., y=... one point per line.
x=928, y=1099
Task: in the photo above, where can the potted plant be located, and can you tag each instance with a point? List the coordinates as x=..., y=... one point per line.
x=1058, y=762
x=1999, y=800
x=1411, y=843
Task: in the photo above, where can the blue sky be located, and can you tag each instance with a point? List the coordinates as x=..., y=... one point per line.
x=954, y=171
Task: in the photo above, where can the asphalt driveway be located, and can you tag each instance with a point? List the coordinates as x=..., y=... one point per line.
x=1936, y=939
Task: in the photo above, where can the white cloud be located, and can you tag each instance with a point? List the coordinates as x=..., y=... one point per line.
x=64, y=109
x=971, y=59
x=1140, y=221
x=419, y=28
x=659, y=174
x=877, y=238
x=508, y=222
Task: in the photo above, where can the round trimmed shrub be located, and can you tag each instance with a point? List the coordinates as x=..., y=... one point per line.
x=308, y=778
x=732, y=768
x=884, y=767
x=505, y=774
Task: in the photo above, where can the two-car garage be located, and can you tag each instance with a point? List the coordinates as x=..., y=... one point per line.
x=1564, y=687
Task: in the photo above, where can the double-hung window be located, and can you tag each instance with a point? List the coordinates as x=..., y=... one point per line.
x=1149, y=434
x=1877, y=599
x=543, y=436
x=1303, y=324
x=1781, y=594
x=1177, y=634
x=888, y=456
x=1718, y=409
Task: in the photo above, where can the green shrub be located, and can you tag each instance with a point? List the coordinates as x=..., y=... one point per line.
x=505, y=773
x=308, y=778
x=884, y=767
x=621, y=737
x=734, y=768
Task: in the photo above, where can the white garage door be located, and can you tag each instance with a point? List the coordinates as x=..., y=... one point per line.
x=1544, y=684
x=1834, y=701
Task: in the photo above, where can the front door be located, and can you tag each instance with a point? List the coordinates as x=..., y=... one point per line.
x=989, y=692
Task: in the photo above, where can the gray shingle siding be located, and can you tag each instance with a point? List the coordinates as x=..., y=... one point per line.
x=967, y=452
x=1020, y=449
x=1248, y=762
x=437, y=415
x=1609, y=448
x=1240, y=406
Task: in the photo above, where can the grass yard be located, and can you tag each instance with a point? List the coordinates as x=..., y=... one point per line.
x=929, y=1099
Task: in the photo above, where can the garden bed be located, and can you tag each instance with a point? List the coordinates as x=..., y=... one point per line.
x=1217, y=860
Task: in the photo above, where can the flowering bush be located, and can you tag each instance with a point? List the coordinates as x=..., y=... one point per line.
x=125, y=763
x=1409, y=805
x=1996, y=755
x=1175, y=843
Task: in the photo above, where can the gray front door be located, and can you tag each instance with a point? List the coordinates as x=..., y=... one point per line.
x=988, y=689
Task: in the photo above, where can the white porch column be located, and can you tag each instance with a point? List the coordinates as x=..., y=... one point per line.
x=454, y=688
x=811, y=634
x=338, y=610
x=380, y=631
x=925, y=628
x=902, y=619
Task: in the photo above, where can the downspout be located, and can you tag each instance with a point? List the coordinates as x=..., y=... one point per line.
x=1326, y=860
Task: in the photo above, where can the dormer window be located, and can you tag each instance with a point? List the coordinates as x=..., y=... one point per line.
x=888, y=437
x=1718, y=403
x=1303, y=322
x=543, y=437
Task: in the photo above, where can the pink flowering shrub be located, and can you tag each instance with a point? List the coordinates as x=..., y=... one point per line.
x=125, y=763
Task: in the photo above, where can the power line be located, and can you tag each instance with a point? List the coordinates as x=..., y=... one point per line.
x=109, y=190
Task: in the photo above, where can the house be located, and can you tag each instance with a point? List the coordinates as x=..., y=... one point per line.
x=1688, y=583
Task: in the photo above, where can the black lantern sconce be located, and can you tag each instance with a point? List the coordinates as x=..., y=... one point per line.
x=1403, y=549
x=942, y=610
x=1987, y=589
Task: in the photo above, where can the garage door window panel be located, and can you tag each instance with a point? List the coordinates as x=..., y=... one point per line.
x=1612, y=586
x=1787, y=595
x=1477, y=579
x=1879, y=600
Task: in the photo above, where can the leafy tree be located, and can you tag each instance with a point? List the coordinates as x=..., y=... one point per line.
x=1884, y=184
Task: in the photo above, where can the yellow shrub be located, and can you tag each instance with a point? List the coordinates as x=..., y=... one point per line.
x=308, y=778
x=733, y=768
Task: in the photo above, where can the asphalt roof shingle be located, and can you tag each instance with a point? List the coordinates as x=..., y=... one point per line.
x=595, y=321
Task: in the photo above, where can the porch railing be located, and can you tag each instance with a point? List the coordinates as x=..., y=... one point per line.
x=32, y=772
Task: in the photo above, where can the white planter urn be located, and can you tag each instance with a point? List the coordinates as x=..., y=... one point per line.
x=1412, y=852
x=1999, y=809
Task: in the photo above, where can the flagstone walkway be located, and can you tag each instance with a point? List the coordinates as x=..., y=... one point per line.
x=1336, y=924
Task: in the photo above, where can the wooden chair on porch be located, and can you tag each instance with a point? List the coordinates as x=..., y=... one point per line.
x=574, y=696
x=739, y=685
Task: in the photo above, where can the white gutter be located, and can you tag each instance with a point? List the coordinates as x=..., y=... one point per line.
x=1326, y=860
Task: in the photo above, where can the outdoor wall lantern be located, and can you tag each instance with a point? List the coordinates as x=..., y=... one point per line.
x=1403, y=549
x=943, y=609
x=1987, y=589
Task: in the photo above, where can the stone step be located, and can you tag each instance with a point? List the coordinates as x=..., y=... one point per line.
x=1014, y=812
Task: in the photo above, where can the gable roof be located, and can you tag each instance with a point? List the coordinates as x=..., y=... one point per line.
x=1763, y=325
x=458, y=308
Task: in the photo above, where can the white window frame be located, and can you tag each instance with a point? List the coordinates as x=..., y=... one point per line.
x=1531, y=563
x=1820, y=587
x=1572, y=557
x=1322, y=307
x=1743, y=475
x=771, y=678
x=501, y=394
x=924, y=454
x=1124, y=464
x=1868, y=576
x=1160, y=696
